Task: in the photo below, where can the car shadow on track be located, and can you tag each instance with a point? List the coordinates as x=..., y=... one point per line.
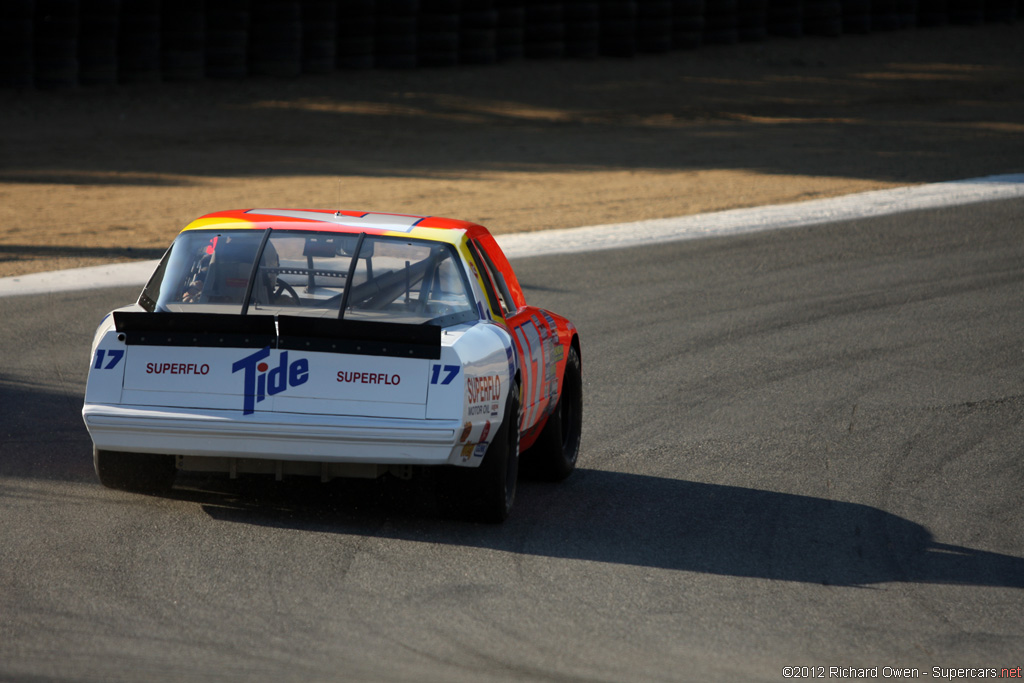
x=595, y=515
x=634, y=520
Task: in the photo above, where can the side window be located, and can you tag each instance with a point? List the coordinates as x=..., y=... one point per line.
x=494, y=280
x=488, y=281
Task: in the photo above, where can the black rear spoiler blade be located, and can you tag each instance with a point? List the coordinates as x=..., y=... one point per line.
x=290, y=332
x=359, y=337
x=196, y=329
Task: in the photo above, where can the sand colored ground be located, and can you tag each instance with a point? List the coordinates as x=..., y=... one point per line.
x=108, y=174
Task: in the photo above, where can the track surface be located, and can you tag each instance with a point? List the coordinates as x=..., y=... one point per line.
x=800, y=448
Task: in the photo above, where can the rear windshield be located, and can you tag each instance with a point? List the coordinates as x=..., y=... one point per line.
x=257, y=272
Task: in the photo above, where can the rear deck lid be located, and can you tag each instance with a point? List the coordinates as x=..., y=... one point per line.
x=257, y=364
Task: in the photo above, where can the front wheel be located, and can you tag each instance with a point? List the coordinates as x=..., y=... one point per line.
x=144, y=472
x=486, y=493
x=553, y=456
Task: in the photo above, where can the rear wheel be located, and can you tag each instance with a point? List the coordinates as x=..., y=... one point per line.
x=146, y=472
x=553, y=456
x=486, y=493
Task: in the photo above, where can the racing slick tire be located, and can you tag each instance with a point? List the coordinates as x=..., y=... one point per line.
x=142, y=472
x=553, y=456
x=486, y=493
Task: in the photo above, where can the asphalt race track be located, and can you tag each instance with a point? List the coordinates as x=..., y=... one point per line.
x=801, y=448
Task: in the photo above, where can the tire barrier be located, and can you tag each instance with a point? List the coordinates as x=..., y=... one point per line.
x=227, y=38
x=617, y=37
x=319, y=36
x=966, y=12
x=857, y=16
x=544, y=31
x=687, y=24
x=478, y=33
x=16, y=43
x=275, y=38
x=395, y=27
x=511, y=29
x=55, y=43
x=183, y=40
x=138, y=42
x=752, y=20
x=582, y=28
x=97, y=41
x=785, y=18
x=906, y=11
x=720, y=22
x=64, y=43
x=1002, y=11
x=932, y=13
x=654, y=26
x=437, y=34
x=823, y=18
x=884, y=15
x=356, y=28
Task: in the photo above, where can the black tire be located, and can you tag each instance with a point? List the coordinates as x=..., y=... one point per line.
x=97, y=42
x=16, y=51
x=183, y=41
x=486, y=493
x=143, y=472
x=553, y=456
x=275, y=38
x=138, y=45
x=55, y=43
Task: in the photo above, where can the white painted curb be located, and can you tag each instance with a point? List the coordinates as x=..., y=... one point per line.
x=619, y=235
x=757, y=219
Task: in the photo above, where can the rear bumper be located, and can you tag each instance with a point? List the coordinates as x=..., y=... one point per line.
x=273, y=436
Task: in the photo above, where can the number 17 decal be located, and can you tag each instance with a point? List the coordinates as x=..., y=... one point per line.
x=114, y=355
x=451, y=370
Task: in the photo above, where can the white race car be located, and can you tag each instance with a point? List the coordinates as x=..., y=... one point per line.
x=333, y=344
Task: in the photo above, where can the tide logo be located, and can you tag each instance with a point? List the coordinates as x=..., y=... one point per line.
x=259, y=383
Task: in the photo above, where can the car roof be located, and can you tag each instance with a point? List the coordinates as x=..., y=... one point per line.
x=328, y=220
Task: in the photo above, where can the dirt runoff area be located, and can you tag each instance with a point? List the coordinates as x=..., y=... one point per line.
x=108, y=174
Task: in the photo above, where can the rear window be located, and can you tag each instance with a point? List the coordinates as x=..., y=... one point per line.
x=327, y=275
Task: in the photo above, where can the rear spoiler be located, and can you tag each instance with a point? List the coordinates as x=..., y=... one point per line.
x=284, y=332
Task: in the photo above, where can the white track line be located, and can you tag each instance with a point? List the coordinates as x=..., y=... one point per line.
x=619, y=235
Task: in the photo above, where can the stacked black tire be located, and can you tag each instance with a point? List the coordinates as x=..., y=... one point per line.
x=98, y=25
x=752, y=20
x=55, y=43
x=319, y=36
x=478, y=32
x=227, y=38
x=183, y=40
x=138, y=42
x=687, y=24
x=395, y=33
x=544, y=30
x=618, y=28
x=582, y=28
x=17, y=53
x=275, y=38
x=932, y=13
x=62, y=43
x=511, y=29
x=654, y=26
x=437, y=34
x=857, y=16
x=355, y=47
x=823, y=18
x=785, y=18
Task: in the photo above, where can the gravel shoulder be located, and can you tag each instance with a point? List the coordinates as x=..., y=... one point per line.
x=90, y=176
